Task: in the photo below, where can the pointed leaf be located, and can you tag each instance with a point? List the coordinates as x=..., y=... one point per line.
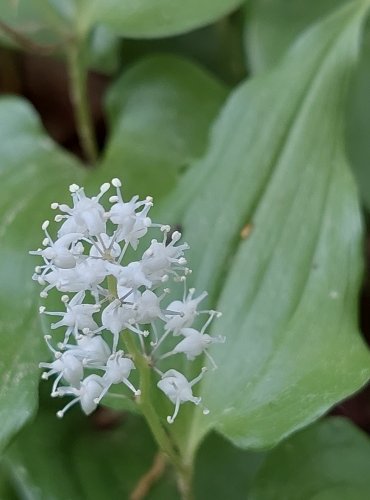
x=160, y=112
x=145, y=18
x=32, y=171
x=288, y=292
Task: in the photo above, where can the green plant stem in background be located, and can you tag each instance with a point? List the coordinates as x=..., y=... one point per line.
x=78, y=91
x=163, y=439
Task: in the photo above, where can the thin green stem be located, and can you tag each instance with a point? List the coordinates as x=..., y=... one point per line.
x=185, y=483
x=142, y=364
x=144, y=401
x=78, y=91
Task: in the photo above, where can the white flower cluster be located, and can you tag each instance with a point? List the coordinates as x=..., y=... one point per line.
x=102, y=293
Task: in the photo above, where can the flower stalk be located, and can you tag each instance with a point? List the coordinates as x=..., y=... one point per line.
x=77, y=73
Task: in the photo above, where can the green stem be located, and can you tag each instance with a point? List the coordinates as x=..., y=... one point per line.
x=185, y=483
x=144, y=401
x=142, y=364
x=78, y=92
x=184, y=474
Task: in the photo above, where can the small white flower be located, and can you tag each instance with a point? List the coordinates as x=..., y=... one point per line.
x=179, y=390
x=147, y=307
x=131, y=276
x=195, y=343
x=116, y=317
x=187, y=310
x=63, y=252
x=86, y=216
x=78, y=316
x=90, y=389
x=161, y=259
x=131, y=225
x=117, y=370
x=68, y=367
x=92, y=350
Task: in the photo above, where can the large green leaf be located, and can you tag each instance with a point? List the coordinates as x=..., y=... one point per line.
x=32, y=171
x=160, y=112
x=327, y=461
x=145, y=18
x=288, y=292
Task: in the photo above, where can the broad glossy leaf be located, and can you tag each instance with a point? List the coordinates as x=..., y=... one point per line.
x=33, y=170
x=145, y=18
x=326, y=461
x=288, y=292
x=160, y=112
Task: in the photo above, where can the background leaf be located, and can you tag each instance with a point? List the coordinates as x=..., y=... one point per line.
x=124, y=450
x=160, y=112
x=33, y=170
x=37, y=20
x=326, y=461
x=145, y=18
x=289, y=301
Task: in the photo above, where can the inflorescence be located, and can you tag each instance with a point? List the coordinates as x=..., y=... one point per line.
x=102, y=293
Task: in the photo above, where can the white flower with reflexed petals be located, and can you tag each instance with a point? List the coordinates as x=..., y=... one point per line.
x=117, y=370
x=90, y=389
x=63, y=253
x=112, y=301
x=92, y=350
x=77, y=317
x=131, y=225
x=187, y=310
x=68, y=367
x=179, y=390
x=87, y=214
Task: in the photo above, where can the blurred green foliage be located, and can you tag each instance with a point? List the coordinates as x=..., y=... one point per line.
x=240, y=128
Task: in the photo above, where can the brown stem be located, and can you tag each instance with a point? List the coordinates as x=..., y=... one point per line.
x=147, y=481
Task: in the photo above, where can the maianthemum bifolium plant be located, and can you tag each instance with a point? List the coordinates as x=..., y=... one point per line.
x=247, y=123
